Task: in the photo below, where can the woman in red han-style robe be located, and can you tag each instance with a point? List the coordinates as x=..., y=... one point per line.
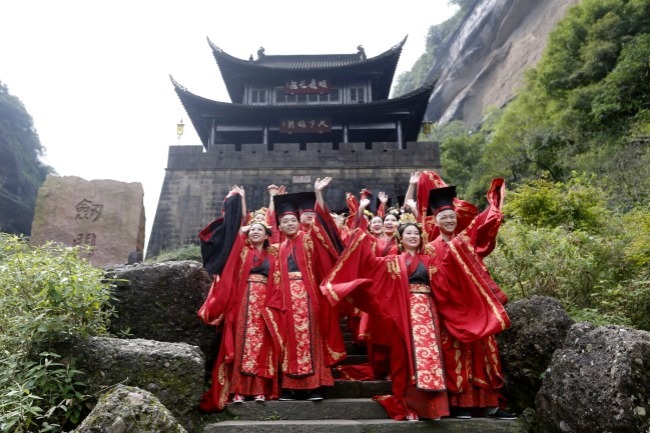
x=312, y=340
x=246, y=364
x=472, y=362
x=398, y=288
x=378, y=333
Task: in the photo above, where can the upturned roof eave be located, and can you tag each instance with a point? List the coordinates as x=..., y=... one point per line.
x=411, y=107
x=407, y=99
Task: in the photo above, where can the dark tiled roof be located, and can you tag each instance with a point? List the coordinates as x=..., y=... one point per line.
x=309, y=61
x=302, y=61
x=237, y=72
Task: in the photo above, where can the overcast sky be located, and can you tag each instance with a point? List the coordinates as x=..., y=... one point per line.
x=94, y=74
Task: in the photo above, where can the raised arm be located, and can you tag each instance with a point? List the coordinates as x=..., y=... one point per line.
x=319, y=186
x=273, y=191
x=411, y=206
x=413, y=182
x=383, y=200
x=240, y=190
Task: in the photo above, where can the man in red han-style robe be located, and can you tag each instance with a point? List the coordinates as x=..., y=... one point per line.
x=460, y=242
x=312, y=340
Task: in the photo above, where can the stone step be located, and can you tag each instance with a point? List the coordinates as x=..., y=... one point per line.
x=339, y=408
x=355, y=349
x=357, y=389
x=354, y=359
x=446, y=425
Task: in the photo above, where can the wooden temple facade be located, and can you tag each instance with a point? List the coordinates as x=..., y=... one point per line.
x=292, y=119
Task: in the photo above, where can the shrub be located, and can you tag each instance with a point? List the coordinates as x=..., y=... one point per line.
x=560, y=240
x=44, y=291
x=567, y=265
x=187, y=252
x=572, y=205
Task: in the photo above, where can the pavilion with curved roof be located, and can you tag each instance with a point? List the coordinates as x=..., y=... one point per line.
x=336, y=98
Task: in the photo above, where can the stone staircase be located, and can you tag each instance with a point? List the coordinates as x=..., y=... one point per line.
x=347, y=408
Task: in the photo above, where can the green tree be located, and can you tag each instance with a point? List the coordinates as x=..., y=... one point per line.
x=573, y=148
x=574, y=205
x=21, y=171
x=584, y=106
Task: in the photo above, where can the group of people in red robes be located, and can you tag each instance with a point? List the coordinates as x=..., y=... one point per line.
x=409, y=279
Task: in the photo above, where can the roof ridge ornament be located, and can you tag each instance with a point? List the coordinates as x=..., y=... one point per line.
x=362, y=52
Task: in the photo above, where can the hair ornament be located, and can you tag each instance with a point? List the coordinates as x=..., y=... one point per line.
x=408, y=218
x=267, y=228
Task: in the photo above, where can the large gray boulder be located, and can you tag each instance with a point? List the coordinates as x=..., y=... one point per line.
x=160, y=302
x=598, y=382
x=126, y=409
x=173, y=372
x=539, y=327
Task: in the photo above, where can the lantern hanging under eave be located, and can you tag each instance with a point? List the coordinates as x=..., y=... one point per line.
x=180, y=128
x=427, y=128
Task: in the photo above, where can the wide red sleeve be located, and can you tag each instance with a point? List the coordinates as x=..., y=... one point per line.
x=223, y=290
x=467, y=298
x=218, y=237
x=483, y=231
x=353, y=210
x=372, y=284
x=381, y=210
x=276, y=235
x=327, y=233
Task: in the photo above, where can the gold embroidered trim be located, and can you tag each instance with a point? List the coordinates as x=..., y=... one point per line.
x=419, y=288
x=257, y=278
x=481, y=290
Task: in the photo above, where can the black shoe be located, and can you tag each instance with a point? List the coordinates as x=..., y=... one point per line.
x=501, y=414
x=314, y=396
x=288, y=396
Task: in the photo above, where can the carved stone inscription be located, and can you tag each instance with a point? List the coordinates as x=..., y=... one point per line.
x=104, y=215
x=87, y=211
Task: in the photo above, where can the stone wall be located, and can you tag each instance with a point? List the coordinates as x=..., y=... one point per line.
x=196, y=181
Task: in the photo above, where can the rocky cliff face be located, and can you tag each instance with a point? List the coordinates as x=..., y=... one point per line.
x=485, y=61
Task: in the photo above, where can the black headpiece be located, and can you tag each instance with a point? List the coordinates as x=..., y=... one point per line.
x=441, y=199
x=293, y=203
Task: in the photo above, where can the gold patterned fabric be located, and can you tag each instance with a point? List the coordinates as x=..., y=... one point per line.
x=253, y=329
x=301, y=326
x=429, y=370
x=253, y=366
